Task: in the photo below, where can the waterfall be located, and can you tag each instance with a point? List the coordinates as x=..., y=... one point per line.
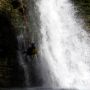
x=22, y=60
x=65, y=45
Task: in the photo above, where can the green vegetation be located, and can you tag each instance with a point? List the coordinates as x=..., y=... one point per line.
x=83, y=7
x=16, y=17
x=9, y=67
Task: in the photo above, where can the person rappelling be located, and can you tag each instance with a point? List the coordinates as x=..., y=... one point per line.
x=17, y=4
x=31, y=51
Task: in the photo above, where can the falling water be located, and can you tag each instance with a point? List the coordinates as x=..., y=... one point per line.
x=65, y=45
x=22, y=59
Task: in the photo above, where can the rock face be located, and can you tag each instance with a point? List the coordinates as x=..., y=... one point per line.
x=8, y=42
x=11, y=74
x=83, y=7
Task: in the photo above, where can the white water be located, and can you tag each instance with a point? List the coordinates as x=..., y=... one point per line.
x=22, y=59
x=25, y=67
x=65, y=45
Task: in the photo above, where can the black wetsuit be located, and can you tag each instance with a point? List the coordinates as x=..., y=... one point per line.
x=29, y=51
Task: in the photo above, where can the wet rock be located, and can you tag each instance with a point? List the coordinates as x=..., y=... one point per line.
x=11, y=74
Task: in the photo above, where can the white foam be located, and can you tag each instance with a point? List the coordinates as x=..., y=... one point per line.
x=65, y=44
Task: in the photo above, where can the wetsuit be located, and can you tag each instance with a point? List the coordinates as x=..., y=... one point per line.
x=31, y=50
